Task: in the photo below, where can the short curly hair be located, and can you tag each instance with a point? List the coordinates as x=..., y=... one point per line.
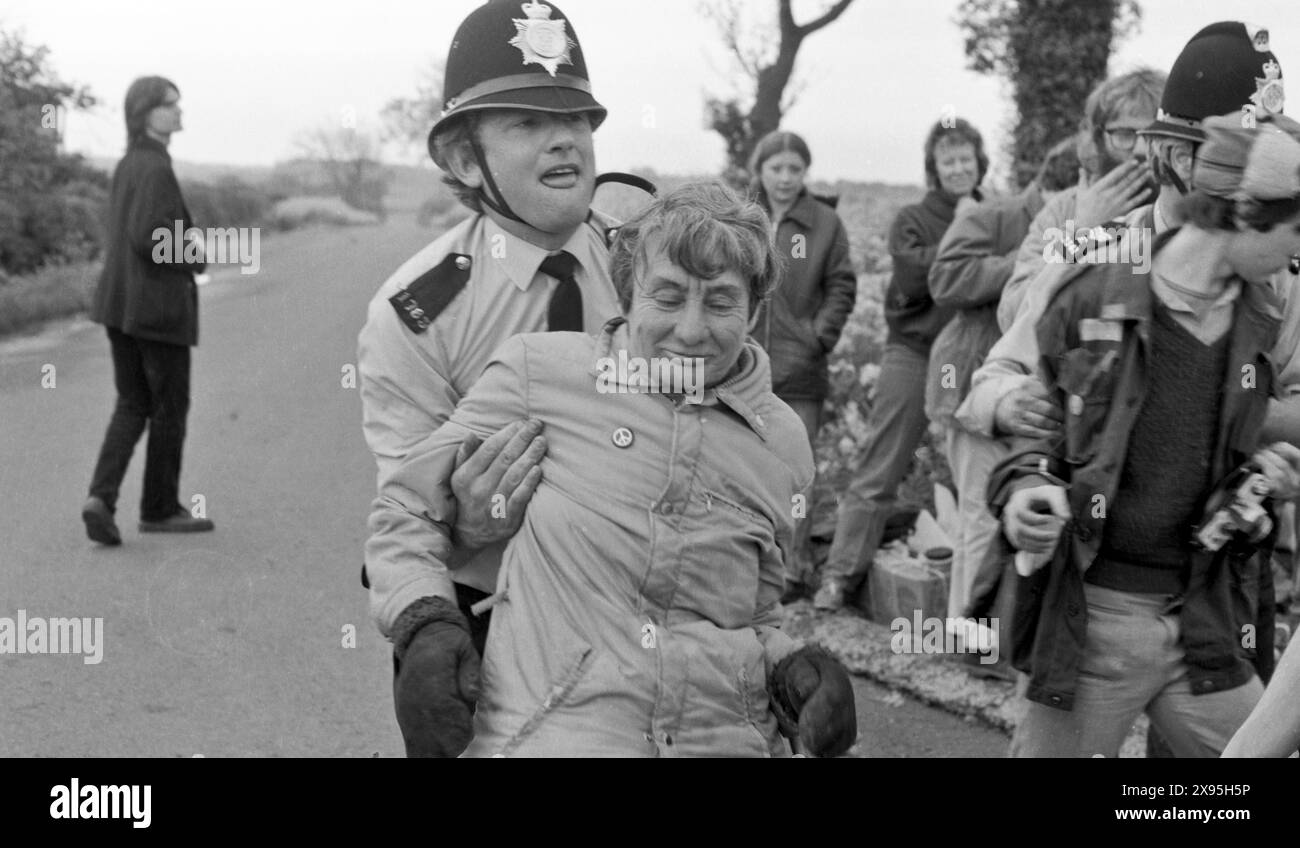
x=953, y=131
x=706, y=229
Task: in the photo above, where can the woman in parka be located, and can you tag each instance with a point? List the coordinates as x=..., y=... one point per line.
x=802, y=321
x=636, y=611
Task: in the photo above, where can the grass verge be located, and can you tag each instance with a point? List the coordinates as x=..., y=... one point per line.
x=58, y=291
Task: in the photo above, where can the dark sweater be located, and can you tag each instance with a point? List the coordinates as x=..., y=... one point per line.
x=913, y=318
x=1167, y=464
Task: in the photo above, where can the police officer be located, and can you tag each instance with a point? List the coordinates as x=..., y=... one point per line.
x=515, y=143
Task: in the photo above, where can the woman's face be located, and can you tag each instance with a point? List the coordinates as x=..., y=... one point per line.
x=675, y=315
x=782, y=176
x=957, y=166
x=165, y=118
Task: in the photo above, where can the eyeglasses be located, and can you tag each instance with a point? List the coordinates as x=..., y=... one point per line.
x=1123, y=138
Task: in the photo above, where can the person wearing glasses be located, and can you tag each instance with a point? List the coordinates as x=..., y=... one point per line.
x=1132, y=610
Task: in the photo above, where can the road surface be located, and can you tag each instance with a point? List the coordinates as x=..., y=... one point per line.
x=253, y=640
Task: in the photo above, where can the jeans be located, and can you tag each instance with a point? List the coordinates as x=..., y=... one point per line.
x=896, y=426
x=799, y=566
x=1132, y=663
x=153, y=388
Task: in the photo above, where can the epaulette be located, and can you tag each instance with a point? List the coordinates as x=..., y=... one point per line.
x=605, y=225
x=423, y=300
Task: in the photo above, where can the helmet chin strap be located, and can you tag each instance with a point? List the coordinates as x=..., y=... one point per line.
x=500, y=206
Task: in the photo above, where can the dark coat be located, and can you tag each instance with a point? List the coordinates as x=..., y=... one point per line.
x=1101, y=383
x=812, y=301
x=137, y=293
x=911, y=314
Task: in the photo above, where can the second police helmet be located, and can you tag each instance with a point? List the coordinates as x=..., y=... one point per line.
x=1225, y=68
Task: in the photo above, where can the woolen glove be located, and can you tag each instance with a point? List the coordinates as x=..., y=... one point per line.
x=812, y=698
x=437, y=678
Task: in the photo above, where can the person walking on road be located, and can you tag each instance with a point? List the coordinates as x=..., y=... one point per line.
x=148, y=302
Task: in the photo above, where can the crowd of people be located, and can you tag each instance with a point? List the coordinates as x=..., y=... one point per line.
x=572, y=565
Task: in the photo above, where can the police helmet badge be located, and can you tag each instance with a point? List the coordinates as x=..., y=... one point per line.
x=1258, y=37
x=542, y=41
x=1268, y=91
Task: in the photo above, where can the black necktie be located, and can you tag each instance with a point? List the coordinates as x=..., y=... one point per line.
x=565, y=310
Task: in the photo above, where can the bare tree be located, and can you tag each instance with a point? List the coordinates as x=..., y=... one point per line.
x=407, y=120
x=350, y=159
x=765, y=57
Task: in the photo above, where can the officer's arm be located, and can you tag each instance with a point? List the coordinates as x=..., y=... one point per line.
x=1037, y=462
x=1273, y=728
x=1046, y=238
x=1283, y=421
x=409, y=548
x=968, y=272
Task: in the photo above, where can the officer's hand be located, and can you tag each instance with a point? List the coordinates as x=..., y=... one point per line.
x=494, y=481
x=1027, y=410
x=1113, y=195
x=813, y=701
x=435, y=691
x=1033, y=518
x=1280, y=464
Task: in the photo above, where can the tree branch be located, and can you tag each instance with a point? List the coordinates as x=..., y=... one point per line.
x=828, y=18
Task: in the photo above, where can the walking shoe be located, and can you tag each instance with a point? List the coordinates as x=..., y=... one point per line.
x=100, y=526
x=178, y=522
x=830, y=597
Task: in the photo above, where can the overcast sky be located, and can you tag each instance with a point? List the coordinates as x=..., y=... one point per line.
x=255, y=74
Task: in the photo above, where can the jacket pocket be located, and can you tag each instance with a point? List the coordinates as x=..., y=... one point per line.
x=574, y=671
x=1085, y=378
x=714, y=497
x=165, y=301
x=752, y=686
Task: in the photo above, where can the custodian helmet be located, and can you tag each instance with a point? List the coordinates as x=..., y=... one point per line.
x=512, y=55
x=1227, y=67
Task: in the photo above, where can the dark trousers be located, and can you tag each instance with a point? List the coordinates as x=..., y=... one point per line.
x=153, y=388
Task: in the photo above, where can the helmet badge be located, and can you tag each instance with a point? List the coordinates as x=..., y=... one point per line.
x=542, y=41
x=1268, y=91
x=1258, y=37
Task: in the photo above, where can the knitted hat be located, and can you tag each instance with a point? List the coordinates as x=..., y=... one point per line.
x=1226, y=68
x=1249, y=163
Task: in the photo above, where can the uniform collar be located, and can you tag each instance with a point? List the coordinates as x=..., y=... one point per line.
x=520, y=259
x=743, y=392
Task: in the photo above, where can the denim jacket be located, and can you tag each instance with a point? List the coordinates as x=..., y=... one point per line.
x=1100, y=383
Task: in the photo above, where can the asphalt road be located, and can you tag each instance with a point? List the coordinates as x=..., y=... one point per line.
x=253, y=640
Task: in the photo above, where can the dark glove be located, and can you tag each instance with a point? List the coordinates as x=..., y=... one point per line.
x=437, y=681
x=812, y=698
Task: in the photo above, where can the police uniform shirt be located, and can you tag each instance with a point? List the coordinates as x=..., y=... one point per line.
x=417, y=356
